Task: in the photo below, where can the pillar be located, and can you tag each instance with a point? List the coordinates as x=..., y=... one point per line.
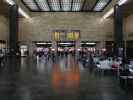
x=118, y=30
x=13, y=29
x=77, y=46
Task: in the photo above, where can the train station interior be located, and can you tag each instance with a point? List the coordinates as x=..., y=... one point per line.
x=66, y=49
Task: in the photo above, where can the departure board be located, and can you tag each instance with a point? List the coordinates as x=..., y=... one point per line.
x=72, y=35
x=56, y=35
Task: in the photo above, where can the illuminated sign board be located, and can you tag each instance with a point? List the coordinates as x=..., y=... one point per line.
x=72, y=35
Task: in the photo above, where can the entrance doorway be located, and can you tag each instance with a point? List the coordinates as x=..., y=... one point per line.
x=42, y=48
x=66, y=47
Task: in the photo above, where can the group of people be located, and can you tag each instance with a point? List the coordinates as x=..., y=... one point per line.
x=102, y=62
x=51, y=54
x=89, y=59
x=2, y=56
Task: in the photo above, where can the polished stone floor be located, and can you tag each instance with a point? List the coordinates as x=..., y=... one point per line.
x=63, y=79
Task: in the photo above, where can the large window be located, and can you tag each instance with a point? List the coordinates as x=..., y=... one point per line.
x=66, y=5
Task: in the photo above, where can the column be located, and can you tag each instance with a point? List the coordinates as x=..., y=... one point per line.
x=118, y=30
x=13, y=29
x=77, y=46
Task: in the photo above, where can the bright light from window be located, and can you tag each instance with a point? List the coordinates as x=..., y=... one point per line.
x=43, y=5
x=101, y=4
x=55, y=4
x=76, y=5
x=66, y=5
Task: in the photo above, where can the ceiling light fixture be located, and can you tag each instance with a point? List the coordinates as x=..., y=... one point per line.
x=23, y=13
x=66, y=43
x=11, y=2
x=121, y=2
x=108, y=13
x=89, y=43
x=43, y=43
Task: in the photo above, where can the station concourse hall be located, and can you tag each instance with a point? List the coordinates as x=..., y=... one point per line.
x=66, y=49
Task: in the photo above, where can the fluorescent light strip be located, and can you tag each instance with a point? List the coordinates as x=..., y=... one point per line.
x=43, y=43
x=21, y=11
x=89, y=43
x=65, y=43
x=101, y=4
x=11, y=2
x=121, y=2
x=66, y=5
x=43, y=5
x=111, y=11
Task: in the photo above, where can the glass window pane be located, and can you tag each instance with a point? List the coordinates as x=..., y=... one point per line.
x=43, y=5
x=101, y=4
x=55, y=4
x=31, y=4
x=66, y=5
x=77, y=4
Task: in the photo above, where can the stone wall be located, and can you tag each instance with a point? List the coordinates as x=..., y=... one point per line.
x=4, y=28
x=128, y=27
x=40, y=26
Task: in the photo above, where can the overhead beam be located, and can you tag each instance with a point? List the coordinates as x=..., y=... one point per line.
x=92, y=9
x=50, y=8
x=82, y=9
x=26, y=5
x=60, y=5
x=103, y=6
x=37, y=5
x=72, y=4
x=107, y=4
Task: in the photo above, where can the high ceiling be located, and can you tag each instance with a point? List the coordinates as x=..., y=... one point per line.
x=66, y=5
x=3, y=8
x=128, y=8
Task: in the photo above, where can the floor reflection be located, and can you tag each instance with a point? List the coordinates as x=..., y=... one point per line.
x=67, y=81
x=59, y=79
